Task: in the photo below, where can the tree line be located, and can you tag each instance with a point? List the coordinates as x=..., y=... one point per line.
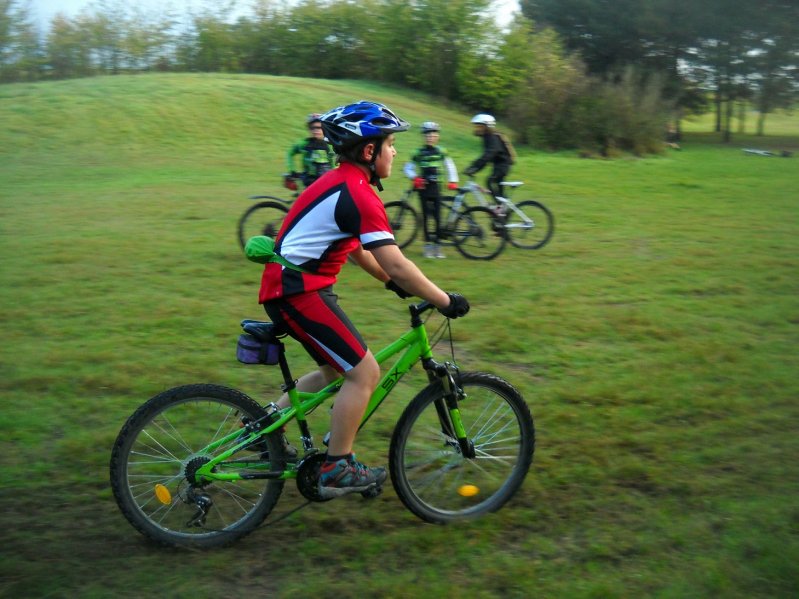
x=742, y=51
x=603, y=75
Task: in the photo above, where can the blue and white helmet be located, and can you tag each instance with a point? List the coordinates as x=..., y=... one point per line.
x=347, y=125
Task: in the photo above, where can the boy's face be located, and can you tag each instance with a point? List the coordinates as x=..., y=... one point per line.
x=480, y=130
x=386, y=158
x=431, y=138
x=315, y=129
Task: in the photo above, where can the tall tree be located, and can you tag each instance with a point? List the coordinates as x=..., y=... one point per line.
x=775, y=71
x=728, y=44
x=605, y=32
x=20, y=55
x=67, y=49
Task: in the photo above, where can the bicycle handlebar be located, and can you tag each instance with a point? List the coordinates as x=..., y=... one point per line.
x=420, y=308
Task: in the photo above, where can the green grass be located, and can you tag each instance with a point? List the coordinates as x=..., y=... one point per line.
x=654, y=338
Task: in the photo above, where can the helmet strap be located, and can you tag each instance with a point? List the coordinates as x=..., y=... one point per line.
x=374, y=179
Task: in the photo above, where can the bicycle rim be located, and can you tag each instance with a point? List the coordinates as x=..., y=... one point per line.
x=428, y=470
x=478, y=235
x=404, y=222
x=532, y=232
x=162, y=444
x=264, y=218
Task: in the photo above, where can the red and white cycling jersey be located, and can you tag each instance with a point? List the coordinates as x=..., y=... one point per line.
x=326, y=223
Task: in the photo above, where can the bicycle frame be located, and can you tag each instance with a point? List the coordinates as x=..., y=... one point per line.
x=414, y=346
x=504, y=204
x=454, y=207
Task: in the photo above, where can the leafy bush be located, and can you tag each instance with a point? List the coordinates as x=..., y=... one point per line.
x=629, y=113
x=555, y=104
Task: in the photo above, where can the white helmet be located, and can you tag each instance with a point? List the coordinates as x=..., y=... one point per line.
x=484, y=119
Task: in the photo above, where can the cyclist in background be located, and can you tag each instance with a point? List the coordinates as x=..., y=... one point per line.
x=337, y=218
x=496, y=150
x=427, y=170
x=317, y=155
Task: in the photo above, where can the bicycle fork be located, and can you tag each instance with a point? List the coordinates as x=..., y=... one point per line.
x=447, y=407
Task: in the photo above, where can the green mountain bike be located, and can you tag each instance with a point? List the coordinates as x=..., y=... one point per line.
x=200, y=466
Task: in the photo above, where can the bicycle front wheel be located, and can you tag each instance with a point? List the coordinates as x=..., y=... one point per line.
x=404, y=222
x=478, y=234
x=161, y=446
x=430, y=474
x=532, y=227
x=263, y=218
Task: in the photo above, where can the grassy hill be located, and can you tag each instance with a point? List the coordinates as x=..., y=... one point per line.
x=654, y=339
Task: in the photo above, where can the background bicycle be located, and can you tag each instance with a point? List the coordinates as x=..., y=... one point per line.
x=478, y=224
x=266, y=216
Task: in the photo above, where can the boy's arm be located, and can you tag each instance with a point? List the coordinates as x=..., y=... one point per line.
x=490, y=148
x=397, y=268
x=367, y=262
x=293, y=151
x=452, y=172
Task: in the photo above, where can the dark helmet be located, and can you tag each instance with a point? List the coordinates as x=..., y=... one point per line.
x=347, y=125
x=314, y=117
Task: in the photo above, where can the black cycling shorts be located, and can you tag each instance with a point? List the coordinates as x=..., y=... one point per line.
x=316, y=320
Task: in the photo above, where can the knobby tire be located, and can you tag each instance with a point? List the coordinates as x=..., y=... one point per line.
x=429, y=473
x=162, y=441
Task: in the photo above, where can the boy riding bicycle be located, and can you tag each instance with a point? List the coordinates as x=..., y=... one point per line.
x=431, y=160
x=342, y=217
x=317, y=155
x=496, y=150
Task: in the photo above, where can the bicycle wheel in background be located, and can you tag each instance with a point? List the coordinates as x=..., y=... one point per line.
x=478, y=234
x=428, y=471
x=533, y=234
x=263, y=218
x=404, y=222
x=448, y=215
x=161, y=446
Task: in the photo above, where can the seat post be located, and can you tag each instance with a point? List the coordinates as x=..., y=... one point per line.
x=288, y=380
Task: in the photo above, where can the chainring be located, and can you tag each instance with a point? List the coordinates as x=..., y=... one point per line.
x=308, y=477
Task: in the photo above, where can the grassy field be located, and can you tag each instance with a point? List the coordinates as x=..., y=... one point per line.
x=655, y=340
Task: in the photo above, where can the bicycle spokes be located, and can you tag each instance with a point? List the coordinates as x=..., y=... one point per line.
x=440, y=478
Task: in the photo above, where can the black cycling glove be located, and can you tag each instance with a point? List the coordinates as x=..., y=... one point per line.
x=392, y=286
x=458, y=306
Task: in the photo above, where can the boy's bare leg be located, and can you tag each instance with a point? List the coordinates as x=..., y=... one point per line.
x=351, y=402
x=312, y=382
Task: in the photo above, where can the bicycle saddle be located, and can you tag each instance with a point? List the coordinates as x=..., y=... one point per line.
x=263, y=331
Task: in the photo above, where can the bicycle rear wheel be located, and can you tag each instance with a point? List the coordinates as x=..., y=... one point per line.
x=263, y=218
x=429, y=473
x=532, y=232
x=404, y=222
x=478, y=234
x=161, y=446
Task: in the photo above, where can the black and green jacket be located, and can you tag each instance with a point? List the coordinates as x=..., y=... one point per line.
x=317, y=156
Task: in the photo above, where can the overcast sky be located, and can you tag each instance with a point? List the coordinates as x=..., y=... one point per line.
x=44, y=10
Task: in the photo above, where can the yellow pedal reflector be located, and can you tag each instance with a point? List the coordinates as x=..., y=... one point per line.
x=163, y=494
x=468, y=490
